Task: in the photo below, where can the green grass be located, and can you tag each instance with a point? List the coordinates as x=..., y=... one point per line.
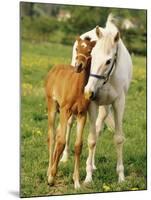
x=36, y=60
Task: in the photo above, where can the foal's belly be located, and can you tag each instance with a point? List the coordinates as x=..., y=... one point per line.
x=106, y=95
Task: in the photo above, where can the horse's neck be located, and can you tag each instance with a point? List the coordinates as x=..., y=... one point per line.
x=124, y=62
x=123, y=68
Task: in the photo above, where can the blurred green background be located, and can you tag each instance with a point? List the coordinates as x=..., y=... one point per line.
x=48, y=32
x=62, y=23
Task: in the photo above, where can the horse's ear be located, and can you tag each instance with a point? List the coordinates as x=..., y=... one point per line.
x=98, y=32
x=93, y=43
x=117, y=37
x=78, y=39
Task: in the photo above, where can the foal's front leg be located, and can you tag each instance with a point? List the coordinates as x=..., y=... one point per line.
x=59, y=144
x=91, y=140
x=81, y=119
x=118, y=107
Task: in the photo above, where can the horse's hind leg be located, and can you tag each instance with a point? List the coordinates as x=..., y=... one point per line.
x=59, y=144
x=109, y=120
x=105, y=115
x=81, y=119
x=51, y=125
x=102, y=114
x=118, y=107
x=65, y=155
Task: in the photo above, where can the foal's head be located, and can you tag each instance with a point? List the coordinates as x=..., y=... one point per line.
x=83, y=50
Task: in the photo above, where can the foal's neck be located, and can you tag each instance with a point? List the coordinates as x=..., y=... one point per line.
x=86, y=72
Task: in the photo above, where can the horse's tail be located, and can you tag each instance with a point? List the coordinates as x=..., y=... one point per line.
x=111, y=23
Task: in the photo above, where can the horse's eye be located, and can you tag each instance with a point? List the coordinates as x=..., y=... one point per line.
x=76, y=49
x=108, y=62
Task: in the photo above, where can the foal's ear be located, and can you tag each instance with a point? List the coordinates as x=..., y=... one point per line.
x=117, y=37
x=98, y=32
x=78, y=39
x=93, y=43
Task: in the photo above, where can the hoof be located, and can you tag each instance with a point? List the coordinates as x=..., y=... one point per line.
x=77, y=186
x=64, y=158
x=50, y=180
x=88, y=180
x=94, y=167
x=121, y=179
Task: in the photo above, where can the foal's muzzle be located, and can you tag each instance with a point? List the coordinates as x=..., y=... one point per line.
x=78, y=67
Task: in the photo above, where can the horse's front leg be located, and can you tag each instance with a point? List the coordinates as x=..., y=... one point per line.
x=91, y=140
x=65, y=155
x=118, y=107
x=81, y=119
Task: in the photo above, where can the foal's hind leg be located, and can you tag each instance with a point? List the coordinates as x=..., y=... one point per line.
x=65, y=155
x=118, y=107
x=51, y=122
x=59, y=144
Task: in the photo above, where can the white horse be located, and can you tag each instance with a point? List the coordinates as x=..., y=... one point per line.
x=110, y=76
x=104, y=112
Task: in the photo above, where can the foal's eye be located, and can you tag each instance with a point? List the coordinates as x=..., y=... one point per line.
x=76, y=49
x=108, y=62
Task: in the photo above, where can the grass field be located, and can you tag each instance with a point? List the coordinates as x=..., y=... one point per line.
x=36, y=60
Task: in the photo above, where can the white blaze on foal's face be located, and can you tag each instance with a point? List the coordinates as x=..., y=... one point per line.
x=103, y=56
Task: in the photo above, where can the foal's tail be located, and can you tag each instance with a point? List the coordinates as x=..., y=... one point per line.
x=111, y=23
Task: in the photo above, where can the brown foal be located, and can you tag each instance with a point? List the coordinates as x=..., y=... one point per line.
x=65, y=93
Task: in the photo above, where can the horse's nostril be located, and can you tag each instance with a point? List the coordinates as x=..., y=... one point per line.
x=89, y=95
x=92, y=93
x=92, y=97
x=80, y=65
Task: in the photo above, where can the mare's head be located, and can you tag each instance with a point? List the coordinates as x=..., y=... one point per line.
x=103, y=60
x=83, y=53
